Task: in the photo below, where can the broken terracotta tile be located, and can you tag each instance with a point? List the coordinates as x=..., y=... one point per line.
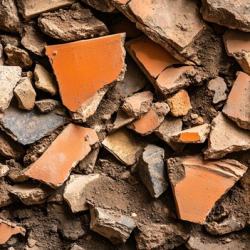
x=78, y=62
x=30, y=193
x=150, y=56
x=9, y=19
x=152, y=120
x=237, y=45
x=122, y=119
x=225, y=137
x=192, y=177
x=74, y=192
x=72, y=145
x=237, y=105
x=32, y=8
x=10, y=148
x=111, y=224
x=175, y=79
x=25, y=93
x=87, y=165
x=33, y=40
x=138, y=104
x=197, y=134
x=89, y=107
x=17, y=57
x=219, y=87
x=71, y=28
x=9, y=77
x=45, y=80
x=7, y=229
x=175, y=32
x=179, y=103
x=152, y=170
x=169, y=127
x=123, y=146
x=232, y=14
x=27, y=127
x=103, y=5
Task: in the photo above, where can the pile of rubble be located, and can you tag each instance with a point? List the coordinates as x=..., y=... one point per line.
x=124, y=124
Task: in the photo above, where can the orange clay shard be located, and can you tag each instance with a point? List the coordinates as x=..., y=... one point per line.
x=84, y=67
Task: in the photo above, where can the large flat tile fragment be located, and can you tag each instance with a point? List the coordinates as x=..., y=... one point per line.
x=231, y=13
x=237, y=44
x=32, y=8
x=198, y=184
x=9, y=77
x=226, y=137
x=71, y=146
x=27, y=127
x=7, y=229
x=166, y=22
x=123, y=146
x=84, y=67
x=150, y=56
x=237, y=107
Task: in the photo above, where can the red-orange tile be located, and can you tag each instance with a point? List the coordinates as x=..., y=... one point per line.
x=71, y=146
x=84, y=67
x=8, y=229
x=151, y=56
x=202, y=183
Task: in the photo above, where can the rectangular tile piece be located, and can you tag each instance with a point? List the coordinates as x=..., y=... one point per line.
x=71, y=146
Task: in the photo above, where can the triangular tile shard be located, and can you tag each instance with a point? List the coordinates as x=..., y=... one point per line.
x=198, y=184
x=71, y=146
x=84, y=67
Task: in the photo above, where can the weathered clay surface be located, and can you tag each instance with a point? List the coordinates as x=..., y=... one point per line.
x=17, y=57
x=192, y=177
x=9, y=77
x=47, y=105
x=16, y=173
x=160, y=236
x=138, y=105
x=123, y=146
x=74, y=192
x=44, y=80
x=4, y=170
x=90, y=53
x=152, y=170
x=197, y=134
x=27, y=127
x=179, y=103
x=7, y=229
x=32, y=8
x=25, y=93
x=226, y=137
x=237, y=107
x=9, y=19
x=5, y=198
x=233, y=14
x=33, y=40
x=30, y=193
x=59, y=159
x=237, y=45
x=219, y=87
x=122, y=119
x=78, y=23
x=112, y=225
